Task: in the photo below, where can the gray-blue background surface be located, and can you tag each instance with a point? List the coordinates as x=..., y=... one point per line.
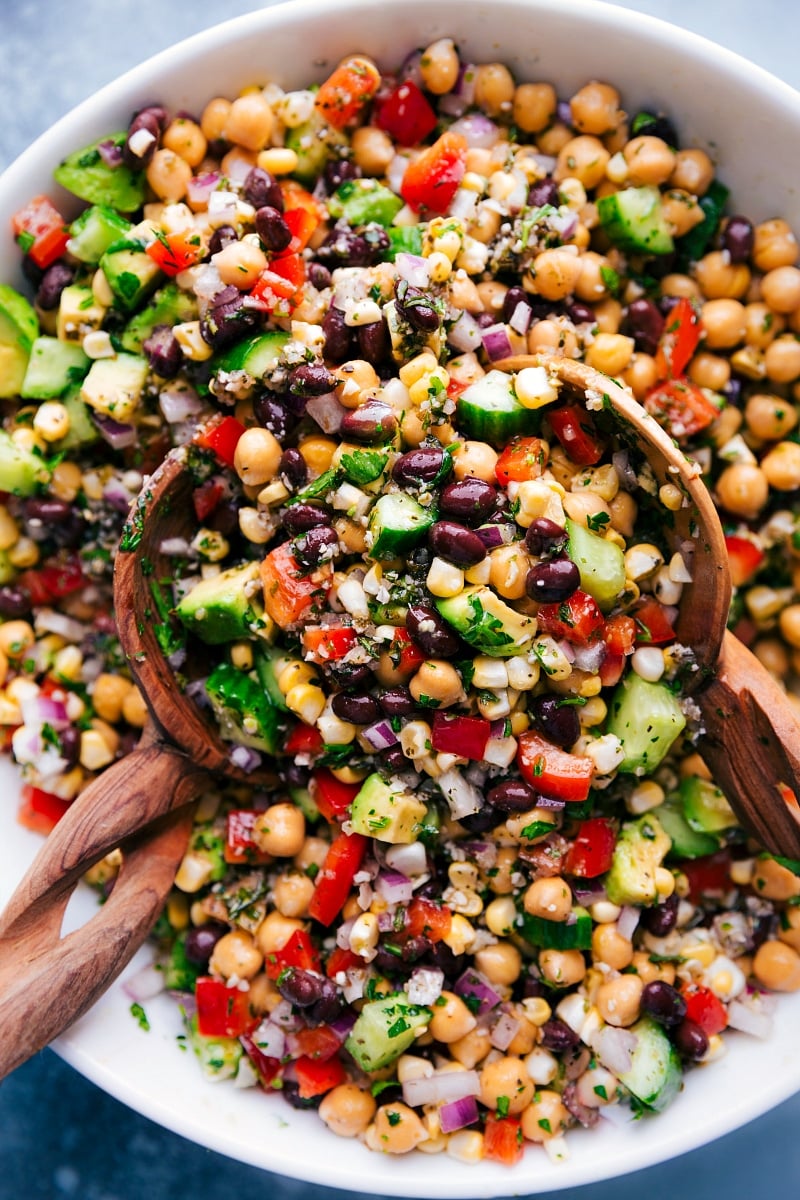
x=59, y=1136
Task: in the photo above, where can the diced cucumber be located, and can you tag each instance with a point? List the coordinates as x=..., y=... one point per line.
x=573, y=934
x=315, y=143
x=169, y=306
x=639, y=851
x=225, y=607
x=245, y=713
x=488, y=623
x=655, y=1074
x=601, y=564
x=20, y=470
x=180, y=975
x=647, y=718
x=266, y=669
x=218, y=1056
x=384, y=1030
x=254, y=354
x=396, y=524
x=53, y=367
x=131, y=273
x=94, y=231
x=8, y=572
x=86, y=174
x=386, y=812
x=705, y=806
x=363, y=201
x=634, y=220
x=489, y=411
x=19, y=326
x=82, y=429
x=686, y=842
x=303, y=799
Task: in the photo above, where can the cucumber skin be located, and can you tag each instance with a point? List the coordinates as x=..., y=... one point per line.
x=372, y=1044
x=557, y=935
x=636, y=702
x=686, y=842
x=644, y=233
x=489, y=412
x=389, y=540
x=654, y=1054
x=86, y=175
x=601, y=564
x=705, y=808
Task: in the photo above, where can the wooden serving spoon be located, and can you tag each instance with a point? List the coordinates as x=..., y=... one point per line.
x=144, y=803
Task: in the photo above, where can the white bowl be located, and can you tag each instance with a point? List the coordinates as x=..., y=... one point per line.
x=751, y=124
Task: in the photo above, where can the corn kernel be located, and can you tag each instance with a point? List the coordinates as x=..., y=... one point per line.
x=194, y=872
x=68, y=663
x=444, y=578
x=701, y=952
x=364, y=936
x=500, y=916
x=741, y=871
x=466, y=1145
x=460, y=936
x=520, y=721
x=670, y=496
x=9, y=531
x=463, y=900
x=278, y=160
x=644, y=797
x=307, y=702
x=665, y=883
x=51, y=421
x=463, y=874
x=191, y=341
x=178, y=911
x=418, y=367
x=94, y=752
x=24, y=554
x=242, y=656
x=534, y=387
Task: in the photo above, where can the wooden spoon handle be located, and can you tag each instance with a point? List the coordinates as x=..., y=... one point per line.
x=752, y=746
x=142, y=804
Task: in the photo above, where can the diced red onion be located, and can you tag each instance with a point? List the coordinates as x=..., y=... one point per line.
x=567, y=649
x=465, y=333
x=413, y=268
x=118, y=436
x=245, y=758
x=425, y=985
x=179, y=404
x=117, y=495
x=283, y=1016
x=521, y=317
x=545, y=162
x=496, y=342
x=589, y=658
x=270, y=1039
x=622, y=465
x=44, y=710
x=617, y=1115
x=458, y=1114
x=442, y=1087
x=326, y=411
x=396, y=170
x=392, y=920
x=177, y=659
x=614, y=1048
x=200, y=187
x=497, y=729
x=394, y=887
x=145, y=984
x=409, y=860
x=110, y=152
x=484, y=854
x=356, y=981
x=463, y=798
x=342, y=1024
x=564, y=224
x=671, y=613
x=472, y=983
x=463, y=204
x=26, y=742
x=196, y=691
x=747, y=1020
x=343, y=934
x=380, y=735
x=207, y=283
x=492, y=536
x=50, y=621
x=411, y=69
x=588, y=894
x=504, y=1031
x=627, y=921
x=452, y=105
x=550, y=802
x=465, y=84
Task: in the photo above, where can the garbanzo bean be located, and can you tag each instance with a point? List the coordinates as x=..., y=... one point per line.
x=774, y=245
x=500, y=963
x=439, y=66
x=545, y=1117
x=619, y=1000
x=789, y=931
x=257, y=455
x=451, y=1020
x=168, y=175
x=781, y=466
x=650, y=161
x=723, y=321
x=719, y=278
x=549, y=898
x=280, y=830
x=610, y=947
x=439, y=681
x=347, y=1109
x=595, y=108
x=506, y=1077
x=397, y=1130
x=556, y=273
x=236, y=955
x=563, y=968
x=693, y=171
x=777, y=966
x=710, y=371
x=780, y=289
x=250, y=121
x=494, y=88
x=584, y=158
x=761, y=324
x=782, y=359
x=743, y=489
x=769, y=417
x=773, y=881
x=534, y=106
x=291, y=894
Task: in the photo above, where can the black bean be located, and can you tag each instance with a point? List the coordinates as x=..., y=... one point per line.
x=552, y=581
x=663, y=1002
x=299, y=518
x=397, y=702
x=557, y=1035
x=393, y=759
x=513, y=796
x=431, y=632
x=512, y=299
x=349, y=674
x=294, y=774
x=558, y=721
x=292, y=468
x=533, y=988
x=275, y=234
x=227, y=320
x=224, y=519
x=47, y=509
x=649, y=125
x=544, y=536
x=319, y=276
x=419, y=466
x=272, y=414
x=662, y=918
x=456, y=544
x=470, y=499
x=163, y=351
x=311, y=379
x=485, y=319
x=690, y=1040
x=222, y=236
x=737, y=238
x=155, y=111
x=339, y=171
x=147, y=122
x=372, y=424
x=301, y=988
x=544, y=191
x=55, y=279
x=290, y=1092
x=733, y=391
x=415, y=305
x=69, y=745
x=645, y=324
x=262, y=190
x=201, y=940
x=338, y=336
x=581, y=314
x=15, y=601
x=443, y=957
x=345, y=247
x=480, y=822
x=327, y=1008
x=374, y=342
x=317, y=546
x=359, y=709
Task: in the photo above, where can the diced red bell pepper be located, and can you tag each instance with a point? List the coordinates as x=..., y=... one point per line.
x=206, y=497
x=465, y=736
x=681, y=407
x=653, y=626
x=289, y=595
x=319, y=1044
x=705, y=1008
x=40, y=811
x=346, y=92
x=620, y=633
x=552, y=771
x=428, y=920
x=592, y=849
x=432, y=179
x=578, y=619
x=455, y=387
x=41, y=231
x=296, y=196
x=221, y=437
x=406, y=115
x=575, y=429
x=174, y=252
x=223, y=1011
x=744, y=558
x=280, y=286
x=679, y=340
x=523, y=458
x=334, y=881
x=6, y=740
x=299, y=951
x=315, y=1078
x=332, y=797
x=54, y=579
x=304, y=739
x=612, y=667
x=239, y=844
x=405, y=654
x=302, y=222
x=709, y=874
x=267, y=1069
x=502, y=1139
x=341, y=960
x=328, y=643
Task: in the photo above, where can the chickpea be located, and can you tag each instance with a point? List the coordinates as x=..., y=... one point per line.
x=780, y=289
x=484, y=227
x=499, y=880
x=492, y=294
x=257, y=455
x=451, y=1019
x=789, y=624
x=608, y=315
x=534, y=106
x=108, y=695
x=710, y=371
x=396, y=1130
x=781, y=466
x=773, y=881
x=347, y=1110
x=500, y=963
x=317, y=453
x=771, y=652
x=552, y=140
x=580, y=506
x=292, y=893
x=263, y=996
x=506, y=1077
x=186, y=138
x=275, y=930
x=619, y=1000
x=743, y=489
x=623, y=510
x=250, y=121
x=723, y=321
x=214, y=118
x=774, y=245
x=640, y=375
x=562, y=968
x=761, y=325
x=721, y=279
x=650, y=161
x=556, y=272
x=552, y=337
x=312, y=853
x=373, y=149
x=240, y=264
x=693, y=171
x=355, y=377
x=472, y=1048
x=769, y=417
x=648, y=970
x=494, y=88
x=591, y=286
x=726, y=425
x=477, y=459
x=439, y=66
x=595, y=108
x=134, y=709
x=610, y=947
x=680, y=285
x=439, y=681
x=168, y=175
x=584, y=158
x=777, y=966
x=610, y=353
x=782, y=359
x=508, y=570
x=545, y=1117
x=236, y=955
x=549, y=898
x=681, y=211
x=280, y=830
x=789, y=932
x=16, y=639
